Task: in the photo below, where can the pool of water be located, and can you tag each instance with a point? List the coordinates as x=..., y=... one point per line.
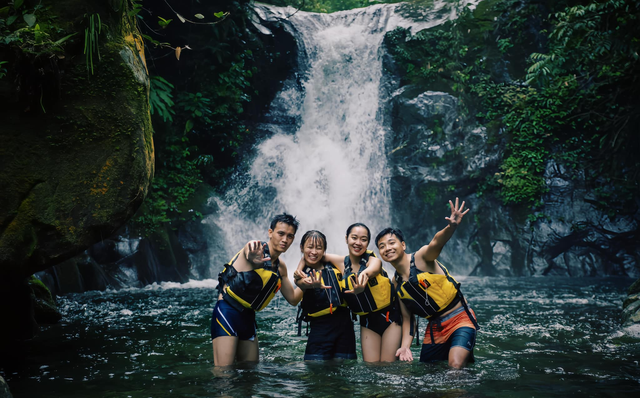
x=544, y=337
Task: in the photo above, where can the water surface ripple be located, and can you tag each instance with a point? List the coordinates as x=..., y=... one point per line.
x=551, y=337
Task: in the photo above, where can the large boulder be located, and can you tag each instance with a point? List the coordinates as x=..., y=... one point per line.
x=77, y=152
x=436, y=154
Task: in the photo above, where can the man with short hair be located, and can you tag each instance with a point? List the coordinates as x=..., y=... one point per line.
x=246, y=285
x=425, y=288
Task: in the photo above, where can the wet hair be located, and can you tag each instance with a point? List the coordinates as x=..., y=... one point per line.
x=286, y=219
x=315, y=235
x=359, y=224
x=390, y=231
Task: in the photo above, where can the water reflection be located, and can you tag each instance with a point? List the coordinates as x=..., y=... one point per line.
x=540, y=337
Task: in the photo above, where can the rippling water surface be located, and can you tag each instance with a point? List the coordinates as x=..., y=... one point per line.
x=540, y=337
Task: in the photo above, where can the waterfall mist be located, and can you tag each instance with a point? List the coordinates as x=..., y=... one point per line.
x=332, y=171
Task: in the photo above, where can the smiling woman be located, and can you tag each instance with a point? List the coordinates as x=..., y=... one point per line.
x=332, y=335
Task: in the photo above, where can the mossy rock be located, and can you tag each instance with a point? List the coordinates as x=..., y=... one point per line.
x=45, y=310
x=75, y=164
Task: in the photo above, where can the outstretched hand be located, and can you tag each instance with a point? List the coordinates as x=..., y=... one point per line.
x=312, y=281
x=359, y=284
x=456, y=213
x=404, y=354
x=255, y=252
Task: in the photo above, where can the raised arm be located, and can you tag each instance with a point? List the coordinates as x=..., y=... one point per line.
x=431, y=251
x=289, y=292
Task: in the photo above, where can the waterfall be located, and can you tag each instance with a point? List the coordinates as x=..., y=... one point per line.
x=331, y=171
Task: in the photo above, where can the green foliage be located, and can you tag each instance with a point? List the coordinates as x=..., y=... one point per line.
x=160, y=98
x=3, y=70
x=91, y=40
x=577, y=104
x=199, y=136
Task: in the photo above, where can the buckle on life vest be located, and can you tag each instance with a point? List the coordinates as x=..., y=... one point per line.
x=424, y=283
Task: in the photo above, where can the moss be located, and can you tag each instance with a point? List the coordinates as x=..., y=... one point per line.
x=79, y=171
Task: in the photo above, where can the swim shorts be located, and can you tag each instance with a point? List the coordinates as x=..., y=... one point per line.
x=331, y=336
x=379, y=321
x=228, y=321
x=452, y=330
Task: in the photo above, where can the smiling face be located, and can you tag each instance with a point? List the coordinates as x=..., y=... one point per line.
x=313, y=250
x=391, y=248
x=281, y=237
x=357, y=241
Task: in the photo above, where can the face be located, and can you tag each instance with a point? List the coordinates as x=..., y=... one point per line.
x=391, y=248
x=313, y=250
x=281, y=237
x=357, y=241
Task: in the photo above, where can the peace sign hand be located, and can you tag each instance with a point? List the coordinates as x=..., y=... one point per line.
x=255, y=252
x=456, y=213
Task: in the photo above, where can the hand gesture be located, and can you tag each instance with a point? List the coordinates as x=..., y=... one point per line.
x=456, y=213
x=359, y=284
x=312, y=281
x=255, y=252
x=404, y=354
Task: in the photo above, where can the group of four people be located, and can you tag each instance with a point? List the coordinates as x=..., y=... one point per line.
x=332, y=287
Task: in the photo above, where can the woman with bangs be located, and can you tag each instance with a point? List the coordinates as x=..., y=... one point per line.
x=368, y=293
x=332, y=335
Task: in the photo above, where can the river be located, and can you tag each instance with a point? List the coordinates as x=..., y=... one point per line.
x=539, y=337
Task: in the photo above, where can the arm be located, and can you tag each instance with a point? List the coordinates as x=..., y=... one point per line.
x=298, y=273
x=290, y=293
x=374, y=266
x=431, y=251
x=404, y=352
x=336, y=260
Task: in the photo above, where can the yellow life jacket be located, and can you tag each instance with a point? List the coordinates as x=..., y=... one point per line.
x=377, y=295
x=250, y=289
x=426, y=294
x=319, y=302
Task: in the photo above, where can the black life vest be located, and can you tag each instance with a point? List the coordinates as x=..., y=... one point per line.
x=378, y=293
x=250, y=289
x=320, y=302
x=426, y=294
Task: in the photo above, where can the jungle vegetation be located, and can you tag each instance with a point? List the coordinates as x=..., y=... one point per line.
x=555, y=82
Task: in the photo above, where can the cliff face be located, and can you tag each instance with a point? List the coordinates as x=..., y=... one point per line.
x=77, y=150
x=436, y=154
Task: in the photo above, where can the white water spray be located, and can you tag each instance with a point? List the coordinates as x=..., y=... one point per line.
x=333, y=171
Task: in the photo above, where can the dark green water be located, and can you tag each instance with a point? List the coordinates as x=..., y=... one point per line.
x=540, y=337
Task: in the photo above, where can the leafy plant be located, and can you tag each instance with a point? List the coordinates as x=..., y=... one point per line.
x=91, y=40
x=160, y=98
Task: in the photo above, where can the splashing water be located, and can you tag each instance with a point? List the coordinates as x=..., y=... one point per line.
x=333, y=171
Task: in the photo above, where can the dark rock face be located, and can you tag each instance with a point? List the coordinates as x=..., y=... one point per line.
x=436, y=155
x=631, y=306
x=75, y=164
x=4, y=389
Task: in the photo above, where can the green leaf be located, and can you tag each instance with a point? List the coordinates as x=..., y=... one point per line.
x=199, y=16
x=11, y=19
x=219, y=14
x=30, y=19
x=189, y=126
x=17, y=4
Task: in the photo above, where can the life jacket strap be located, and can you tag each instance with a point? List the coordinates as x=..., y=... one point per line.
x=232, y=302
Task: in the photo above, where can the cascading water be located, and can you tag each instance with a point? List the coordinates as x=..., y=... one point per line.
x=332, y=171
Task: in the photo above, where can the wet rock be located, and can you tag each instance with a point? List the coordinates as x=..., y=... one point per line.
x=4, y=389
x=436, y=155
x=44, y=306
